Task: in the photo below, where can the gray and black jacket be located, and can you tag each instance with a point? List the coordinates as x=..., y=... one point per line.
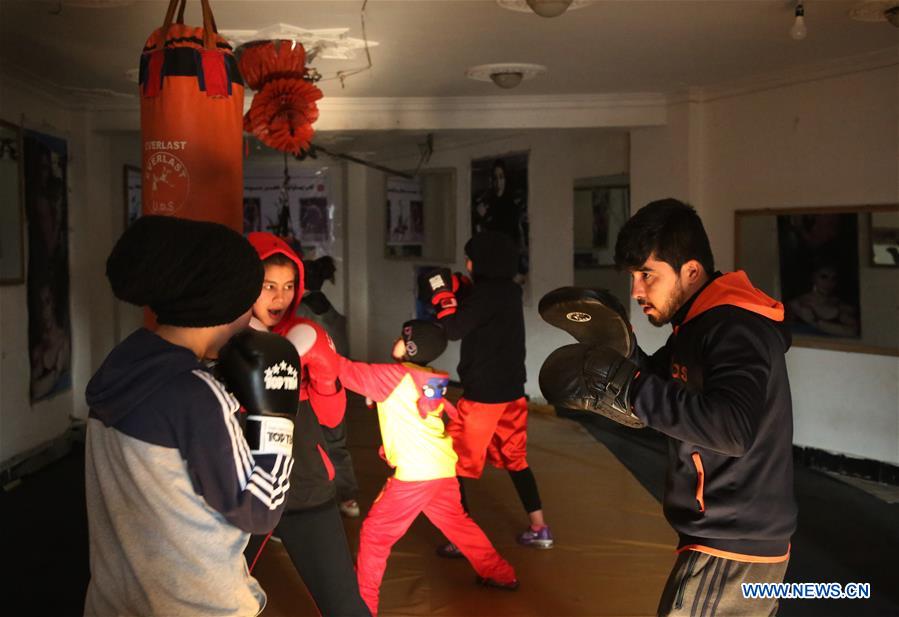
x=173, y=492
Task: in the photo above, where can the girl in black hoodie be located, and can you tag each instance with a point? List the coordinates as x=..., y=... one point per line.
x=492, y=422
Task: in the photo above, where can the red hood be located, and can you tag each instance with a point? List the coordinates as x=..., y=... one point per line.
x=267, y=244
x=735, y=289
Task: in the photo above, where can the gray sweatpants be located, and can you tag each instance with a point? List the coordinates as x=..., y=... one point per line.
x=702, y=585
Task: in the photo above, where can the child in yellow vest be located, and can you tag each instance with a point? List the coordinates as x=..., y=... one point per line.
x=410, y=398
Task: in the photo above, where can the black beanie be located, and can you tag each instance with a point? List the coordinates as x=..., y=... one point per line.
x=425, y=341
x=493, y=254
x=190, y=273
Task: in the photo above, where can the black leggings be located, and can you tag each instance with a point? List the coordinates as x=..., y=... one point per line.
x=316, y=542
x=525, y=486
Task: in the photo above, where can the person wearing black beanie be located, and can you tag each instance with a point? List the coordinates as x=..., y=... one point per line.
x=173, y=490
x=423, y=341
x=190, y=273
x=491, y=427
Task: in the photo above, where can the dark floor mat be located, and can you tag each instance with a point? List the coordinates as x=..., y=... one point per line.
x=844, y=534
x=44, y=541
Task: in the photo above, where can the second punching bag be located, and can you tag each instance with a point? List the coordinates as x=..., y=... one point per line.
x=191, y=105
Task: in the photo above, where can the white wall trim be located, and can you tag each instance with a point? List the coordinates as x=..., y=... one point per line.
x=797, y=75
x=637, y=109
x=493, y=112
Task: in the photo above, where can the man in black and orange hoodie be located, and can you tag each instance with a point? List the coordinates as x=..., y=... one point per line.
x=719, y=389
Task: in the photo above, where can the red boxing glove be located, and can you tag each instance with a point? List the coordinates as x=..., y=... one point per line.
x=440, y=282
x=461, y=286
x=328, y=408
x=322, y=368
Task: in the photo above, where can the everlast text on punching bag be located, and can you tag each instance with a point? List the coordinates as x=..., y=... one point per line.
x=191, y=107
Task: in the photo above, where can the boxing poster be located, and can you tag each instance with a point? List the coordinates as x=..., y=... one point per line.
x=314, y=220
x=405, y=217
x=819, y=273
x=301, y=212
x=46, y=215
x=499, y=201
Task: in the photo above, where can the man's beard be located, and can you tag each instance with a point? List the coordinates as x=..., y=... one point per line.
x=675, y=301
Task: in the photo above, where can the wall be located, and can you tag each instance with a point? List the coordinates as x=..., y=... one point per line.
x=829, y=142
x=24, y=426
x=271, y=165
x=660, y=167
x=826, y=142
x=124, y=149
x=557, y=158
x=96, y=220
x=878, y=286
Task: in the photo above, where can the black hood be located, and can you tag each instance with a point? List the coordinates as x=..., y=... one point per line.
x=493, y=255
x=135, y=369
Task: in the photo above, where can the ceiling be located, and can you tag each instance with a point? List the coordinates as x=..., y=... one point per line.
x=425, y=46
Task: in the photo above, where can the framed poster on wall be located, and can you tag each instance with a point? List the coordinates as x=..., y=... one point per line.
x=46, y=210
x=300, y=211
x=819, y=273
x=499, y=201
x=405, y=217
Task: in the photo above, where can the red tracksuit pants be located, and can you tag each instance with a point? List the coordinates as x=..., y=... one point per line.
x=393, y=512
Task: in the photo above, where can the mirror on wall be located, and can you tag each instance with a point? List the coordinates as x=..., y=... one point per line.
x=420, y=219
x=601, y=207
x=835, y=269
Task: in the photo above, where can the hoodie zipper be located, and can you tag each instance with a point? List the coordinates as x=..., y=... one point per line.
x=700, y=481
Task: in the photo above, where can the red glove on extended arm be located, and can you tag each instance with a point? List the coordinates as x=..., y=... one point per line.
x=462, y=286
x=439, y=284
x=321, y=364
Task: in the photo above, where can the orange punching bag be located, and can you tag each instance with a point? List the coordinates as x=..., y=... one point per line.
x=191, y=116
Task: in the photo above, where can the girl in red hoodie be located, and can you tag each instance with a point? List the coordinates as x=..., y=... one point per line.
x=311, y=528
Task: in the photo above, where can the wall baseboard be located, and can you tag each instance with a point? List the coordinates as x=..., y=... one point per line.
x=868, y=469
x=14, y=469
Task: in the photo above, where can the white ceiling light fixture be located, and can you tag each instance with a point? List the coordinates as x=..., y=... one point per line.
x=877, y=10
x=543, y=8
x=549, y=8
x=506, y=75
x=798, y=31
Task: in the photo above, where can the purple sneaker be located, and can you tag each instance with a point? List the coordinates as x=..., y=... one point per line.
x=538, y=539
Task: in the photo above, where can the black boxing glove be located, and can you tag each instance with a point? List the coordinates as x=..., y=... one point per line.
x=262, y=370
x=591, y=378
